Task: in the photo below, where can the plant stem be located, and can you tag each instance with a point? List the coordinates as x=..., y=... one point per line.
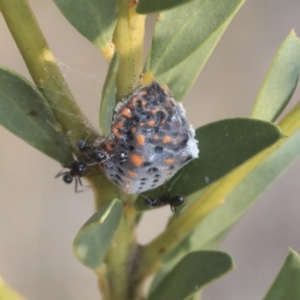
x=122, y=258
x=104, y=190
x=44, y=70
x=123, y=254
x=129, y=41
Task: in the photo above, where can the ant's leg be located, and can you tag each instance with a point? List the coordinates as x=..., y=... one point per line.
x=150, y=201
x=61, y=173
x=76, y=185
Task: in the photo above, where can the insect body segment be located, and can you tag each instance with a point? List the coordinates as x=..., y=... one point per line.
x=92, y=153
x=77, y=169
x=173, y=201
x=150, y=141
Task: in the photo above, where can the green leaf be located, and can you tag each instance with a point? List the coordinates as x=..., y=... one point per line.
x=180, y=78
x=108, y=101
x=280, y=82
x=25, y=112
x=180, y=49
x=245, y=192
x=93, y=239
x=147, y=7
x=223, y=145
x=239, y=190
x=7, y=293
x=287, y=283
x=192, y=273
x=94, y=19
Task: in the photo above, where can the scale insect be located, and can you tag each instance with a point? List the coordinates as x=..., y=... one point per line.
x=150, y=141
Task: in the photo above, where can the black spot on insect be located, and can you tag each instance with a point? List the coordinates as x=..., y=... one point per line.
x=160, y=115
x=119, y=177
x=120, y=170
x=158, y=149
x=152, y=170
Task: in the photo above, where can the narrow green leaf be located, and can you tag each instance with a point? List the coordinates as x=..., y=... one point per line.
x=7, y=293
x=147, y=7
x=247, y=187
x=108, y=101
x=244, y=194
x=181, y=77
x=192, y=273
x=94, y=19
x=175, y=255
x=25, y=112
x=188, y=42
x=287, y=283
x=223, y=145
x=280, y=82
x=93, y=239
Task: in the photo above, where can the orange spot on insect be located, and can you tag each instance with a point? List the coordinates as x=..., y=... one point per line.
x=131, y=104
x=110, y=146
x=133, y=129
x=126, y=112
x=136, y=159
x=162, y=122
x=155, y=137
x=151, y=123
x=117, y=129
x=117, y=132
x=143, y=92
x=169, y=161
x=140, y=139
x=155, y=110
x=167, y=139
x=131, y=174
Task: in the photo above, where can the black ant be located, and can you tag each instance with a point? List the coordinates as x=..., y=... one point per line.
x=173, y=201
x=77, y=170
